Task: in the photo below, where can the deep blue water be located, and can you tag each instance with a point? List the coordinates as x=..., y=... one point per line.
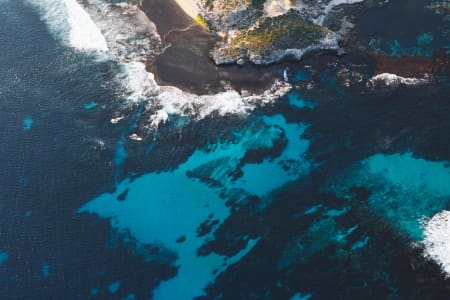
x=51, y=166
x=404, y=28
x=318, y=196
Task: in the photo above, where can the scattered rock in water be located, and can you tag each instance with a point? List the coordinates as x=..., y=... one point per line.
x=123, y=195
x=181, y=239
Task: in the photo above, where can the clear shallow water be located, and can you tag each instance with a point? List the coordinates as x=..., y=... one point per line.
x=169, y=207
x=293, y=201
x=409, y=190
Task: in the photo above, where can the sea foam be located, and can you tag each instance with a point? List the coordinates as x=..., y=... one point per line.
x=71, y=23
x=392, y=80
x=84, y=34
x=321, y=10
x=411, y=194
x=130, y=35
x=122, y=32
x=437, y=239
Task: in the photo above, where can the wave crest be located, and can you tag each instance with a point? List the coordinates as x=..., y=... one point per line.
x=72, y=24
x=124, y=34
x=437, y=240
x=130, y=35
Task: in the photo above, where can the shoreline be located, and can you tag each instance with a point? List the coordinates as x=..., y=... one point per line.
x=166, y=15
x=186, y=63
x=189, y=7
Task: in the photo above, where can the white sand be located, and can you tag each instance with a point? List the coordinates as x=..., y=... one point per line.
x=190, y=7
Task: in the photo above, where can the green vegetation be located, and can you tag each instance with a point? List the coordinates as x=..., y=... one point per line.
x=199, y=19
x=286, y=31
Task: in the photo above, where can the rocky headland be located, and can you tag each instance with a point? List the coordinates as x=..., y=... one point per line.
x=265, y=32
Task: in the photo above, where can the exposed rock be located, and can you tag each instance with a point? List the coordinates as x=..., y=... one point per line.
x=116, y=119
x=267, y=31
x=241, y=61
x=135, y=137
x=273, y=39
x=392, y=80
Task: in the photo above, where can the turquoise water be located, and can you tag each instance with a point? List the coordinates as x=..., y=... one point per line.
x=405, y=190
x=90, y=105
x=299, y=296
x=259, y=179
x=403, y=28
x=361, y=244
x=94, y=292
x=301, y=75
x=337, y=212
x=157, y=211
x=313, y=196
x=314, y=209
x=27, y=123
x=114, y=287
x=3, y=257
x=295, y=100
x=45, y=270
x=423, y=46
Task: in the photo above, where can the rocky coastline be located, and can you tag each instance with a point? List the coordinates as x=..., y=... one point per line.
x=267, y=32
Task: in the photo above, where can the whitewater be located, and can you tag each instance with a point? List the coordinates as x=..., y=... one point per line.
x=121, y=32
x=71, y=23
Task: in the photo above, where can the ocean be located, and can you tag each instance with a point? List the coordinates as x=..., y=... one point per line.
x=114, y=185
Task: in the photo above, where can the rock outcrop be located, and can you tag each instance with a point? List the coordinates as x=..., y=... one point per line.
x=266, y=31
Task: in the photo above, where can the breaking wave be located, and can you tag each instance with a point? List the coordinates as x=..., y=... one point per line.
x=437, y=240
x=130, y=35
x=72, y=24
x=121, y=32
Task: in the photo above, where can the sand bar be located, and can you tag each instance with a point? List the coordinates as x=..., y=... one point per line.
x=189, y=7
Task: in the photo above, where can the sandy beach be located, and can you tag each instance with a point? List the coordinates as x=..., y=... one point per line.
x=189, y=7
x=167, y=15
x=186, y=62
